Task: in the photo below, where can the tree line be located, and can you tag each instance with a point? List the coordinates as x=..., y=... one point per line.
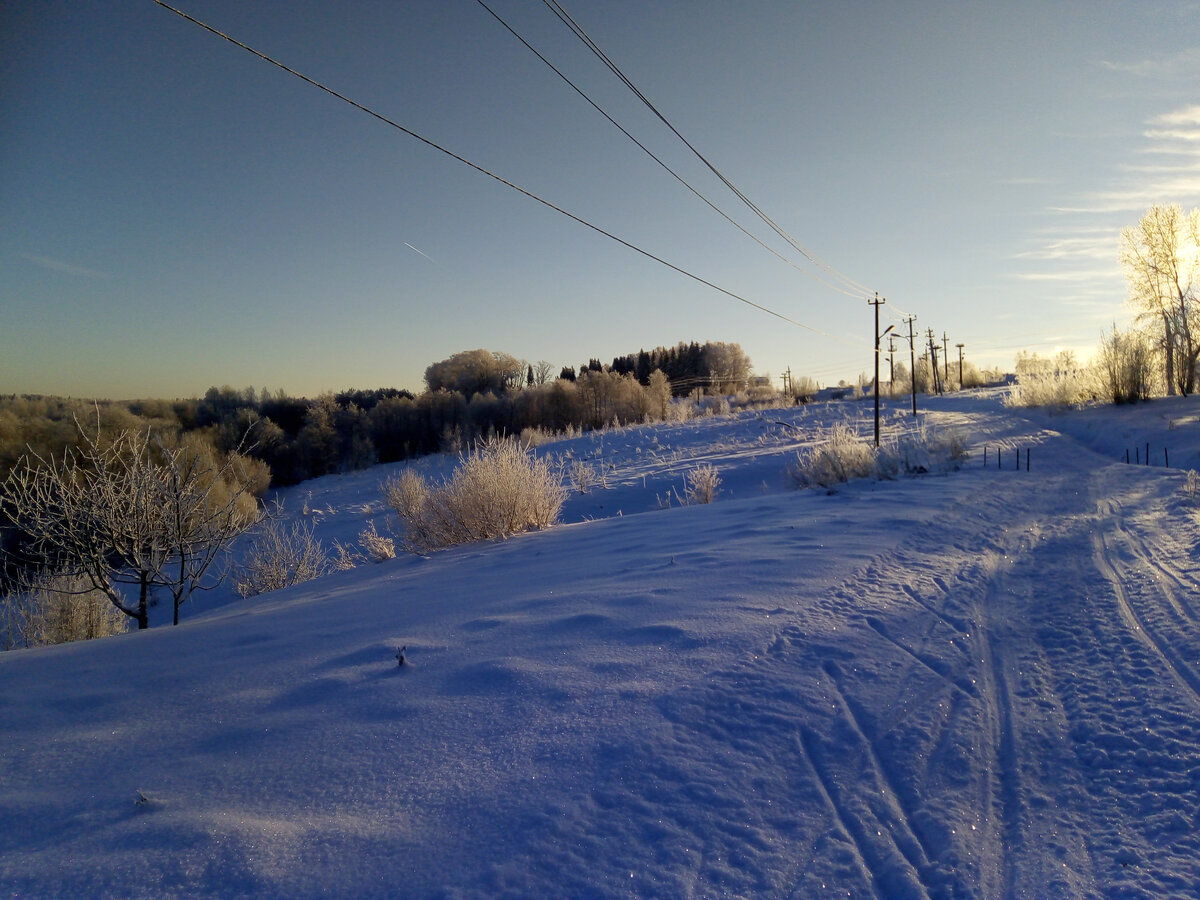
x=471, y=394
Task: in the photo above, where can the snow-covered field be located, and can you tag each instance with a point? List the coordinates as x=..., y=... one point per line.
x=984, y=683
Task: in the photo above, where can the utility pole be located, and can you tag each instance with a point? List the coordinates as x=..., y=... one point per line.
x=912, y=356
x=960, y=346
x=945, y=359
x=891, y=363
x=933, y=362
x=876, y=303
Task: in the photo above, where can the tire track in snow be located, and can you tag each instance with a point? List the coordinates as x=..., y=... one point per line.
x=1170, y=581
x=1003, y=809
x=1138, y=624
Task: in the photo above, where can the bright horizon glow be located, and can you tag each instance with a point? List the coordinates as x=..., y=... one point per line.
x=176, y=214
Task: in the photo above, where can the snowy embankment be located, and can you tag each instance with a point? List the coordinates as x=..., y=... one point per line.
x=980, y=684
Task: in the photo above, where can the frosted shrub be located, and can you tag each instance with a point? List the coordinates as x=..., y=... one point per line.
x=279, y=557
x=844, y=457
x=497, y=489
x=536, y=437
x=1192, y=488
x=701, y=485
x=583, y=476
x=841, y=458
x=344, y=558
x=56, y=609
x=408, y=495
x=930, y=450
x=377, y=547
x=1125, y=363
x=1056, y=389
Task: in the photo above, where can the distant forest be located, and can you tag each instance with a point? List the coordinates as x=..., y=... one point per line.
x=471, y=394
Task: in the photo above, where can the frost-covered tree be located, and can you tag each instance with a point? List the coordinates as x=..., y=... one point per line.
x=475, y=371
x=129, y=512
x=1161, y=259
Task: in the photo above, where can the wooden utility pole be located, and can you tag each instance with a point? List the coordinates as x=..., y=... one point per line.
x=945, y=359
x=876, y=303
x=960, y=346
x=937, y=378
x=891, y=363
x=912, y=355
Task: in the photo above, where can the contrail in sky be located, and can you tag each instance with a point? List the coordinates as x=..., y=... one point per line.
x=57, y=265
x=422, y=252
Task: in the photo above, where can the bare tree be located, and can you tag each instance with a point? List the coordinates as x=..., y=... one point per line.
x=128, y=512
x=1162, y=266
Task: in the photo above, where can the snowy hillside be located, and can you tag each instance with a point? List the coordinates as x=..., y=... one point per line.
x=977, y=684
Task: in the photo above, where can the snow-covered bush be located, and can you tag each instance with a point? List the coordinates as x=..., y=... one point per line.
x=537, y=436
x=841, y=458
x=1055, y=388
x=701, y=485
x=56, y=609
x=377, y=547
x=497, y=489
x=280, y=556
x=1125, y=366
x=928, y=450
x=845, y=457
x=582, y=475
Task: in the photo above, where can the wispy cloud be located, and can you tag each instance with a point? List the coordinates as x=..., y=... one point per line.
x=1099, y=245
x=1071, y=275
x=1173, y=66
x=57, y=265
x=1174, y=134
x=1189, y=115
x=1183, y=188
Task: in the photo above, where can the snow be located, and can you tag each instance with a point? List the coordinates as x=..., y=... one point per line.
x=979, y=683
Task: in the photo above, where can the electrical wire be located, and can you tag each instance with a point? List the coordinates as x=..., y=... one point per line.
x=853, y=288
x=651, y=154
x=490, y=174
x=654, y=157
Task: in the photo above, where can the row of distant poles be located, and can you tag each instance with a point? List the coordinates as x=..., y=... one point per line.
x=912, y=351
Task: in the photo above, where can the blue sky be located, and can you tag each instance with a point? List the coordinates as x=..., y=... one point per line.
x=175, y=213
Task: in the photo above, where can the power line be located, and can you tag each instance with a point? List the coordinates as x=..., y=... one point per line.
x=859, y=291
x=652, y=155
x=490, y=174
